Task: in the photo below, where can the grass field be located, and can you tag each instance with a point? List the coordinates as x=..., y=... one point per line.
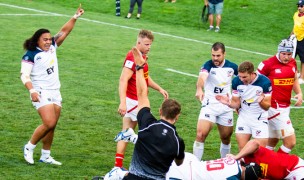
x=90, y=62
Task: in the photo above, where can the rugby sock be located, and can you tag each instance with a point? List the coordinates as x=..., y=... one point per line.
x=119, y=160
x=30, y=146
x=225, y=149
x=270, y=148
x=284, y=149
x=198, y=149
x=45, y=154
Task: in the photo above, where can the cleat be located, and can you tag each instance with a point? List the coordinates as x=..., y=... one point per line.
x=217, y=29
x=28, y=155
x=117, y=173
x=50, y=160
x=125, y=135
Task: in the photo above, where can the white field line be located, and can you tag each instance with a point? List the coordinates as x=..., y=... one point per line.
x=127, y=27
x=45, y=13
x=28, y=15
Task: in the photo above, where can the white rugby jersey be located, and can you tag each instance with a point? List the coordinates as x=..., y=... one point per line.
x=250, y=93
x=44, y=74
x=193, y=169
x=219, y=79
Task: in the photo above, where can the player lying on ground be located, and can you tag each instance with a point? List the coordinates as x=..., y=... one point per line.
x=192, y=168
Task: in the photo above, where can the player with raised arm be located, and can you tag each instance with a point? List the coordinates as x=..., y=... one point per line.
x=39, y=74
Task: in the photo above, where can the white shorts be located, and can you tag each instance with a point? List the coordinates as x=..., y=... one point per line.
x=217, y=113
x=257, y=126
x=48, y=97
x=298, y=171
x=280, y=125
x=132, y=109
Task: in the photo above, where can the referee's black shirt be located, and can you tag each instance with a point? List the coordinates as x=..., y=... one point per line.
x=157, y=146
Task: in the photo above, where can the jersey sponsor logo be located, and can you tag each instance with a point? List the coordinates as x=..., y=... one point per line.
x=248, y=102
x=50, y=70
x=264, y=168
x=129, y=64
x=283, y=82
x=218, y=90
x=38, y=58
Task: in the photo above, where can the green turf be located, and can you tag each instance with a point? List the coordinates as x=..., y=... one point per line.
x=90, y=62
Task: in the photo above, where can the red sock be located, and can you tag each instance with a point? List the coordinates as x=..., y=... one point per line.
x=119, y=160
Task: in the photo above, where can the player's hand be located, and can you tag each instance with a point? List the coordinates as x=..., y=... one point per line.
x=199, y=95
x=223, y=99
x=139, y=60
x=79, y=12
x=299, y=98
x=35, y=97
x=164, y=93
x=230, y=156
x=122, y=109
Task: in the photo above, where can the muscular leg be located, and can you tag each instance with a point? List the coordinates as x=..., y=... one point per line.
x=242, y=140
x=289, y=141
x=47, y=140
x=203, y=129
x=49, y=115
x=225, y=135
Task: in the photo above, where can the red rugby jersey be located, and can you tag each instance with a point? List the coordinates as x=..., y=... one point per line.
x=129, y=63
x=282, y=79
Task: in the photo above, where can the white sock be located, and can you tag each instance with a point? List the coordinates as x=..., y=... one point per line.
x=30, y=146
x=210, y=27
x=45, y=153
x=270, y=148
x=217, y=27
x=225, y=149
x=285, y=149
x=198, y=150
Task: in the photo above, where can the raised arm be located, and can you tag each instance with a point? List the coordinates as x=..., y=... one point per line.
x=68, y=27
x=141, y=85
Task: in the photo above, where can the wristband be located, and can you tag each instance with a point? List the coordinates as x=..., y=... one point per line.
x=76, y=16
x=137, y=67
x=32, y=91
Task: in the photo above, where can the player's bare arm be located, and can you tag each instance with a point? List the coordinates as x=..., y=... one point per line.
x=297, y=89
x=126, y=74
x=264, y=102
x=68, y=27
x=155, y=86
x=200, y=85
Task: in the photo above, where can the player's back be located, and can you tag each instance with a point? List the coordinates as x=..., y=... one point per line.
x=193, y=169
